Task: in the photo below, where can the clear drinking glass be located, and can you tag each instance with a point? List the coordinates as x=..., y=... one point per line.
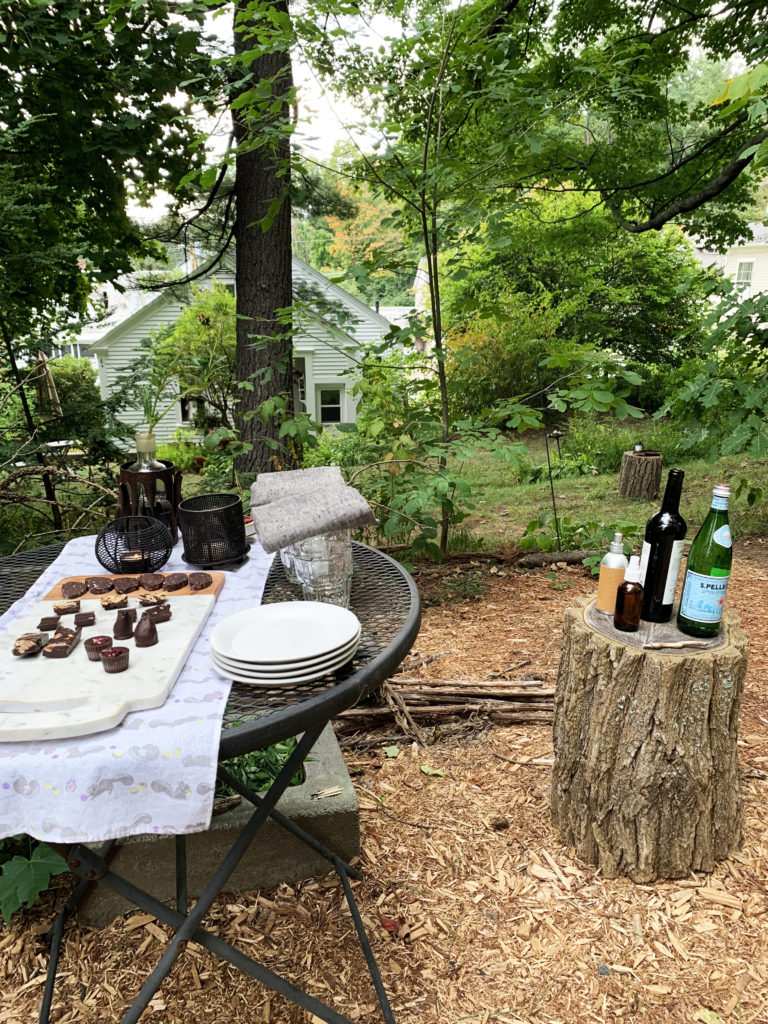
x=323, y=567
x=286, y=557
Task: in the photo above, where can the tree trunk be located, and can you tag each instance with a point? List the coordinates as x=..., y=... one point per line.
x=640, y=475
x=645, y=781
x=263, y=275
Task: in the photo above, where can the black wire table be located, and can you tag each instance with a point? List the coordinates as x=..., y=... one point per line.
x=386, y=601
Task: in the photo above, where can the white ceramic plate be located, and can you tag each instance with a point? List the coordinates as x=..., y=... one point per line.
x=286, y=632
x=286, y=668
x=279, y=679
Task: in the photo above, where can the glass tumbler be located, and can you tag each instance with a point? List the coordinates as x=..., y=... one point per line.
x=323, y=567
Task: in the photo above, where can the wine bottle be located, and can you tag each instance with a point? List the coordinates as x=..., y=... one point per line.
x=662, y=553
x=708, y=571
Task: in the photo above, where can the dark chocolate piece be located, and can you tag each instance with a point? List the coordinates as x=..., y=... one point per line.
x=175, y=580
x=75, y=588
x=152, y=580
x=29, y=643
x=160, y=613
x=115, y=659
x=111, y=601
x=132, y=613
x=126, y=584
x=99, y=585
x=62, y=644
x=149, y=600
x=48, y=622
x=123, y=627
x=145, y=634
x=95, y=645
x=85, y=618
x=66, y=607
x=200, y=580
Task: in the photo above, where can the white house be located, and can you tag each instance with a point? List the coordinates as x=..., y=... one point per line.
x=745, y=264
x=323, y=356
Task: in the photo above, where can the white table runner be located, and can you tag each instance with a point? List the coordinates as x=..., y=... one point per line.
x=156, y=771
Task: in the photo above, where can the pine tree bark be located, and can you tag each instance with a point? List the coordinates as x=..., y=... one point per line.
x=263, y=278
x=640, y=475
x=645, y=781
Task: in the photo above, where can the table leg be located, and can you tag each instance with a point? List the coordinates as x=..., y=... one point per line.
x=181, y=874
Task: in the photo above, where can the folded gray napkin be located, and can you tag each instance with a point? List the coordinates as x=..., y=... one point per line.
x=273, y=486
x=327, y=509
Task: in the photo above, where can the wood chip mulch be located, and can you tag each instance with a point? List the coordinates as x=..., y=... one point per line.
x=475, y=910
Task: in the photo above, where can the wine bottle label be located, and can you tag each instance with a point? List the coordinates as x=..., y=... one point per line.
x=675, y=559
x=645, y=555
x=722, y=536
x=703, y=597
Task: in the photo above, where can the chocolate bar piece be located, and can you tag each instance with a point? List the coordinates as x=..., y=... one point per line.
x=160, y=613
x=29, y=643
x=99, y=584
x=48, y=623
x=148, y=600
x=152, y=580
x=175, y=580
x=75, y=588
x=126, y=584
x=110, y=601
x=66, y=607
x=62, y=644
x=200, y=580
x=85, y=618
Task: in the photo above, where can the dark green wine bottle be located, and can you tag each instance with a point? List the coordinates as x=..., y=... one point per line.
x=708, y=571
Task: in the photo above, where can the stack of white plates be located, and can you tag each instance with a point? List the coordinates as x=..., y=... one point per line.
x=284, y=643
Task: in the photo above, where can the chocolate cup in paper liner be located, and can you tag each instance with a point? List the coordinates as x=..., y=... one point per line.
x=115, y=659
x=94, y=645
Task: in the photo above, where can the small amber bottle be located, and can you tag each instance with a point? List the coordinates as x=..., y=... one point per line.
x=629, y=599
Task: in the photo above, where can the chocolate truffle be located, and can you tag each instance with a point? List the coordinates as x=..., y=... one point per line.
x=200, y=580
x=75, y=588
x=48, y=623
x=175, y=580
x=160, y=613
x=126, y=584
x=111, y=601
x=148, y=600
x=29, y=643
x=99, y=584
x=95, y=645
x=145, y=633
x=85, y=618
x=152, y=580
x=66, y=607
x=123, y=628
x=115, y=659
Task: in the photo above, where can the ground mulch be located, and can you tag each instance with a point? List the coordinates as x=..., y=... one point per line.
x=476, y=911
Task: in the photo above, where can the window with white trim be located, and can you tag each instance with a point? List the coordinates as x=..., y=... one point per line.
x=330, y=403
x=744, y=273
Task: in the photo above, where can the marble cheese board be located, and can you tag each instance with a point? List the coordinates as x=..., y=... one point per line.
x=52, y=698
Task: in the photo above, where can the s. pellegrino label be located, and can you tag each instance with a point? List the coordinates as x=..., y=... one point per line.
x=703, y=597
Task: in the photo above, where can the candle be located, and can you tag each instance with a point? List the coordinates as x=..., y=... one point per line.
x=134, y=561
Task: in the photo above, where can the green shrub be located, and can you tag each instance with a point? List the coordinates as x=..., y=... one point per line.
x=567, y=465
x=541, y=534
x=347, y=450
x=186, y=454
x=604, y=443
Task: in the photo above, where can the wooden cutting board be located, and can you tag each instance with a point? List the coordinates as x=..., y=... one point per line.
x=55, y=593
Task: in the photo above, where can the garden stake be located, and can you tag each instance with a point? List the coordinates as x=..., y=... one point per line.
x=552, y=486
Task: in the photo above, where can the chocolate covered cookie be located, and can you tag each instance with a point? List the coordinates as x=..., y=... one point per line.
x=111, y=601
x=152, y=580
x=149, y=600
x=200, y=580
x=66, y=607
x=175, y=580
x=75, y=588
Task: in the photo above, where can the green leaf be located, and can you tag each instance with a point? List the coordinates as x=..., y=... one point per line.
x=432, y=771
x=392, y=751
x=22, y=880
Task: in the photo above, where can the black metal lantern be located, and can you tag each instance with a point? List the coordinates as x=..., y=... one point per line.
x=213, y=530
x=134, y=544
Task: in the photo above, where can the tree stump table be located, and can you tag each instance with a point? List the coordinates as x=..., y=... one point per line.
x=640, y=475
x=646, y=778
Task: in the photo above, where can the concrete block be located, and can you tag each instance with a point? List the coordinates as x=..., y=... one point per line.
x=275, y=855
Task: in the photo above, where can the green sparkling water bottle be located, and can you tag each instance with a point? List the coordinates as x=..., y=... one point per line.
x=708, y=571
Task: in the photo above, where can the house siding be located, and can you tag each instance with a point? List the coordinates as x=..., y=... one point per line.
x=758, y=254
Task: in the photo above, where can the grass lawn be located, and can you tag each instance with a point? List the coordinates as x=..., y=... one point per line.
x=504, y=507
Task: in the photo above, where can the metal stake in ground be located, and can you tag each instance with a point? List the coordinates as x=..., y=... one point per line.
x=556, y=434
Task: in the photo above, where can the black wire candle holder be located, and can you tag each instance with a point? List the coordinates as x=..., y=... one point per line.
x=213, y=530
x=134, y=544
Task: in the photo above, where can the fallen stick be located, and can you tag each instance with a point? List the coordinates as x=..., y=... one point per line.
x=677, y=644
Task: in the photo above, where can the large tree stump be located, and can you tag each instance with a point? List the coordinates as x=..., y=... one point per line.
x=640, y=475
x=645, y=780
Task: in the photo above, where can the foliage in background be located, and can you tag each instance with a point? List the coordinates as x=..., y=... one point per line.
x=604, y=443
x=26, y=869
x=259, y=769
x=541, y=534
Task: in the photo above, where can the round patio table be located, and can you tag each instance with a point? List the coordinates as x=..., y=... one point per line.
x=386, y=601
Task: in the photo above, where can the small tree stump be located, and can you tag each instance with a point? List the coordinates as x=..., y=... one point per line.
x=645, y=780
x=640, y=475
